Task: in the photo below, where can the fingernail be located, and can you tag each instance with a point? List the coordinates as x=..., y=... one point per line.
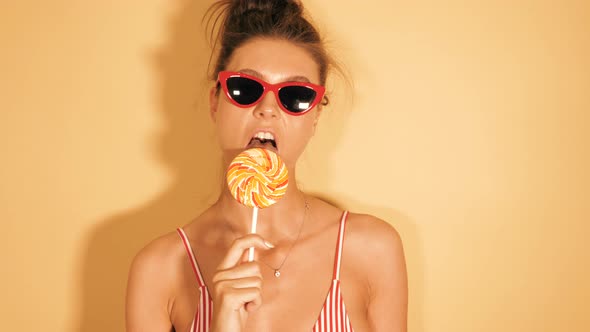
x=268, y=244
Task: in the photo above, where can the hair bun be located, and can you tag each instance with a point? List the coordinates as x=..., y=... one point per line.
x=234, y=22
x=272, y=9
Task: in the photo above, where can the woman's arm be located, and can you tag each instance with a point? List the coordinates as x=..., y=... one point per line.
x=388, y=302
x=148, y=291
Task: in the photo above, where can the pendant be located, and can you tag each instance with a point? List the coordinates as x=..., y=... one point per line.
x=277, y=273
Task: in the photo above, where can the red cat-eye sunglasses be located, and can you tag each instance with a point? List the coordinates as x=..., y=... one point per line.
x=295, y=98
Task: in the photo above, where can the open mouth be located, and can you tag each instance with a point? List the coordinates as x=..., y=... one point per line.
x=263, y=140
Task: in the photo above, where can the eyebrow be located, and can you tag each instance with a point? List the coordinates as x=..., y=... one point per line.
x=296, y=78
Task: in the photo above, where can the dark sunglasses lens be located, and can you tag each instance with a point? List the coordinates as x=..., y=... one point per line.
x=297, y=99
x=244, y=91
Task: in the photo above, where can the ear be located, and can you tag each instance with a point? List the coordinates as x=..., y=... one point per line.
x=213, y=99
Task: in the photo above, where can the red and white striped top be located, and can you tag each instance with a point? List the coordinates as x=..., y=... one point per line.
x=332, y=318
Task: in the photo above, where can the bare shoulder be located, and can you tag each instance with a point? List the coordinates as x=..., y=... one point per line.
x=374, y=276
x=153, y=277
x=365, y=234
x=378, y=252
x=375, y=235
x=159, y=257
x=370, y=237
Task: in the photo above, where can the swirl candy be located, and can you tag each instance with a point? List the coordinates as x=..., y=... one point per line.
x=257, y=178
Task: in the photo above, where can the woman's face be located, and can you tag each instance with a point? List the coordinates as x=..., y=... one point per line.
x=273, y=61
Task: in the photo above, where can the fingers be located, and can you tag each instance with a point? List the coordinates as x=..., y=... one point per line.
x=237, y=249
x=250, y=297
x=235, y=293
x=238, y=286
x=245, y=270
x=224, y=287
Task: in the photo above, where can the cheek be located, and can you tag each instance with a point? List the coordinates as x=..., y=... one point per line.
x=305, y=130
x=300, y=134
x=229, y=126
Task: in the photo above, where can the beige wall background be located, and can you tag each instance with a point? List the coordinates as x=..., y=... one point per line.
x=468, y=130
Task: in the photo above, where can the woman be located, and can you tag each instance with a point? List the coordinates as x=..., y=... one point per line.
x=316, y=267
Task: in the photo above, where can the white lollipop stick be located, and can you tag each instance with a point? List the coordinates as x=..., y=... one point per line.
x=253, y=231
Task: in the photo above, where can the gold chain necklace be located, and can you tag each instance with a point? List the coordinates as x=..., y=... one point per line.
x=278, y=269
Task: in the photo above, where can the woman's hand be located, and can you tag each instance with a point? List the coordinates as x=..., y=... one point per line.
x=237, y=286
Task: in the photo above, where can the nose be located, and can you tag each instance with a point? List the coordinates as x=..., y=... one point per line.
x=267, y=107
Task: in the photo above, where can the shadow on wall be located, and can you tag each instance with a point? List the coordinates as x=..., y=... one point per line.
x=186, y=146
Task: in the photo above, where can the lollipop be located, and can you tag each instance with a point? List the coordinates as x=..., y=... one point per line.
x=257, y=178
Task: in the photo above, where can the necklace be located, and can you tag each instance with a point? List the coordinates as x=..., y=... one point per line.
x=278, y=269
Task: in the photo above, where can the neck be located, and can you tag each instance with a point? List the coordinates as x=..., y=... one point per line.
x=281, y=220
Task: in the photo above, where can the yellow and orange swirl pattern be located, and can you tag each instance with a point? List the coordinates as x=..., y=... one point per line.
x=257, y=178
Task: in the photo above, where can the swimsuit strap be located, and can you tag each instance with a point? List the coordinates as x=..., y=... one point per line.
x=189, y=251
x=338, y=256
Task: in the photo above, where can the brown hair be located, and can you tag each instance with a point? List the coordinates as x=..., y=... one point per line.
x=242, y=20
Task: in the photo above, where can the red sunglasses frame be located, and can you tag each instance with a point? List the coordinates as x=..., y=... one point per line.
x=223, y=76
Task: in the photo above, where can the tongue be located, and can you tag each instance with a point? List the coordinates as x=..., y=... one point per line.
x=258, y=143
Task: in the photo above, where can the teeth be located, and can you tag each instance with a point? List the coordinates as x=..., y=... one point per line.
x=263, y=135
